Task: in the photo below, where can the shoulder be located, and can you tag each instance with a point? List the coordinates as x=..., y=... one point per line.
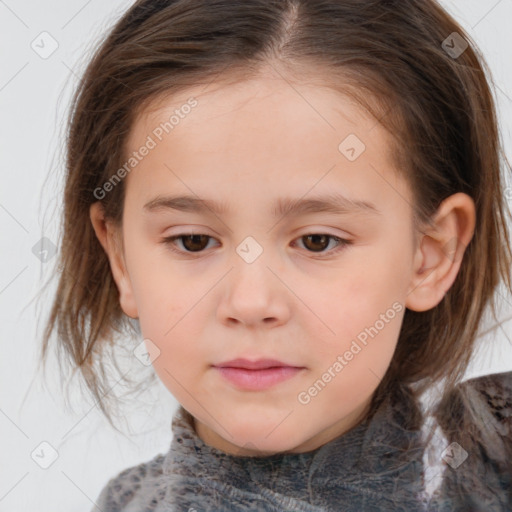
x=487, y=399
x=493, y=394
x=477, y=415
x=133, y=488
x=476, y=418
x=496, y=383
x=486, y=403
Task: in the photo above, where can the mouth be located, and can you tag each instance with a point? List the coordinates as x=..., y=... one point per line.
x=256, y=375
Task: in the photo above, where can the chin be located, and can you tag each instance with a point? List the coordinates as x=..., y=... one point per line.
x=262, y=439
x=258, y=449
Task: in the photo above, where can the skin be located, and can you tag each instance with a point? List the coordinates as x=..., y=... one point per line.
x=248, y=144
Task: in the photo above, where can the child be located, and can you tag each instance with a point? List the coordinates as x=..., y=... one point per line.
x=311, y=378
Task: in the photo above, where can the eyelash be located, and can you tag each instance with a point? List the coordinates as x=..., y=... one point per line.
x=170, y=242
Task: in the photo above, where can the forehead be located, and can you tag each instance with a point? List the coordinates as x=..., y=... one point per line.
x=259, y=99
x=263, y=133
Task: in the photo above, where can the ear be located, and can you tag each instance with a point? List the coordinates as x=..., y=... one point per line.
x=439, y=253
x=110, y=237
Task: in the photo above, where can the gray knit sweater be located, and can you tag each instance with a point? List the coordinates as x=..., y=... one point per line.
x=379, y=465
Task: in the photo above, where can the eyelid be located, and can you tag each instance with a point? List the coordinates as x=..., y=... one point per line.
x=342, y=243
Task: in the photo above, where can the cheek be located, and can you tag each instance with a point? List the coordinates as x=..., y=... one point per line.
x=178, y=359
x=361, y=353
x=365, y=312
x=168, y=306
x=360, y=295
x=378, y=277
x=159, y=291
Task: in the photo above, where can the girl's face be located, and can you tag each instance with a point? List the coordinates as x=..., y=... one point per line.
x=264, y=165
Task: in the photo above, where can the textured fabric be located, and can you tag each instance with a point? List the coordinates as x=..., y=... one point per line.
x=380, y=465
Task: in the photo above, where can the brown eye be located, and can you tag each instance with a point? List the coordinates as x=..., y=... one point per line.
x=317, y=243
x=191, y=242
x=195, y=242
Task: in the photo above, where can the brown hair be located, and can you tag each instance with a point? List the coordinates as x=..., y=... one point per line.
x=387, y=54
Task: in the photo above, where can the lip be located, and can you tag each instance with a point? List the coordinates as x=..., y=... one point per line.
x=258, y=364
x=256, y=375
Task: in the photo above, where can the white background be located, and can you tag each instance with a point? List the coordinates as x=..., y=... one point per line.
x=34, y=95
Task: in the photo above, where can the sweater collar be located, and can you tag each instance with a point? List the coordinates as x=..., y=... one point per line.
x=376, y=453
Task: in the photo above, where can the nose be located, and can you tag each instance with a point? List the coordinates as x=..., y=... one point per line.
x=254, y=295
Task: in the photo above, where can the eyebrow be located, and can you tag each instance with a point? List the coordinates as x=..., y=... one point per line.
x=330, y=203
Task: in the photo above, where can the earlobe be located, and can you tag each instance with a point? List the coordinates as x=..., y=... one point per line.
x=108, y=236
x=440, y=252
